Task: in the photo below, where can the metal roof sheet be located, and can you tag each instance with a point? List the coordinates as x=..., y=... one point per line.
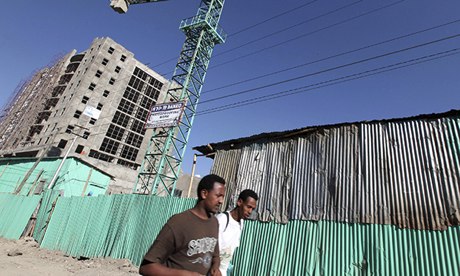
x=212, y=147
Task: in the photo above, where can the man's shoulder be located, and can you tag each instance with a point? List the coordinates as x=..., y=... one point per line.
x=185, y=213
x=179, y=217
x=189, y=217
x=222, y=217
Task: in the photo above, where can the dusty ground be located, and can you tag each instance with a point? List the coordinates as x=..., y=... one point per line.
x=24, y=257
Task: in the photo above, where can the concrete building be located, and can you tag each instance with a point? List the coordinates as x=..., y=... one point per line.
x=91, y=105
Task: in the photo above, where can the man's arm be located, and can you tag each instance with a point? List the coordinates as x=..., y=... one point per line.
x=216, y=261
x=215, y=271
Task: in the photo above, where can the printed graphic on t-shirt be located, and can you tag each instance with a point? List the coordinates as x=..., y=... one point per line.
x=226, y=255
x=202, y=246
x=205, y=260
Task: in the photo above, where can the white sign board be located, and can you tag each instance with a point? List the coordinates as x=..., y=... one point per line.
x=92, y=112
x=165, y=115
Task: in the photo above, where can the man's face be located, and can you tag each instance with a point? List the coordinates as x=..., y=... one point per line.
x=246, y=207
x=214, y=198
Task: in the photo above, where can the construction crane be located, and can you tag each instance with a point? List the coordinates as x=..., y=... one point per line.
x=161, y=166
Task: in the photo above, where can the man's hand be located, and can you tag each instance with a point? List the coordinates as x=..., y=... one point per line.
x=215, y=271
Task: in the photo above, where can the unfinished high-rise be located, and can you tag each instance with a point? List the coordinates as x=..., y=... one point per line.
x=91, y=105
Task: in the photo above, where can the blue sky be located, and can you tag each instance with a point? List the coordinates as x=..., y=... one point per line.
x=327, y=41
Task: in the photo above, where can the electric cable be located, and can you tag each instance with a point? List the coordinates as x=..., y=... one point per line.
x=339, y=23
x=252, y=26
x=332, y=68
x=305, y=34
x=287, y=28
x=306, y=75
x=335, y=81
x=271, y=18
x=332, y=56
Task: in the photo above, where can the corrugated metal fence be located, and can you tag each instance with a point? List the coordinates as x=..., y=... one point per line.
x=402, y=173
x=124, y=226
x=118, y=226
x=15, y=213
x=44, y=214
x=332, y=248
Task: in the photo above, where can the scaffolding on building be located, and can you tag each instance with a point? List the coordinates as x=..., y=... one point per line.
x=26, y=109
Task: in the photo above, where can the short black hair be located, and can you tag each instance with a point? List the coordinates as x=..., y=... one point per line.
x=248, y=193
x=207, y=183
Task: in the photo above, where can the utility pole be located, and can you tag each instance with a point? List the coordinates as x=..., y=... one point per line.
x=53, y=180
x=192, y=175
x=34, y=166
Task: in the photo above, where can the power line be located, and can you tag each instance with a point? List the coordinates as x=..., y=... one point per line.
x=331, y=57
x=306, y=34
x=335, y=81
x=332, y=68
x=252, y=26
x=166, y=61
x=326, y=70
x=271, y=18
x=287, y=28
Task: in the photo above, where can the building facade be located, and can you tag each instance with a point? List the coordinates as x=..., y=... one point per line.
x=92, y=105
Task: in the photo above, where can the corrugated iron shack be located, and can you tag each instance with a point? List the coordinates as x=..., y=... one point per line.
x=403, y=172
x=364, y=198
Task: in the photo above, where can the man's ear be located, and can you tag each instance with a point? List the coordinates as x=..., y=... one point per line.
x=239, y=202
x=204, y=193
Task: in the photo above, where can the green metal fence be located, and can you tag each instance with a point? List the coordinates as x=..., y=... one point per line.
x=15, y=213
x=44, y=214
x=331, y=248
x=118, y=226
x=124, y=226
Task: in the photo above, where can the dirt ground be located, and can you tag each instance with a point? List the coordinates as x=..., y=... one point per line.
x=24, y=257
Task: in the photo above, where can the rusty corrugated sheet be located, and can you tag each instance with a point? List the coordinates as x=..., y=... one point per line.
x=403, y=173
x=270, y=164
x=226, y=165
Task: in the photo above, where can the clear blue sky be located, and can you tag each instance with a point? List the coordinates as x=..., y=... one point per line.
x=32, y=33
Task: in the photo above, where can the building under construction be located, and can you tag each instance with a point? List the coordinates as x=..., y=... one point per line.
x=90, y=105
